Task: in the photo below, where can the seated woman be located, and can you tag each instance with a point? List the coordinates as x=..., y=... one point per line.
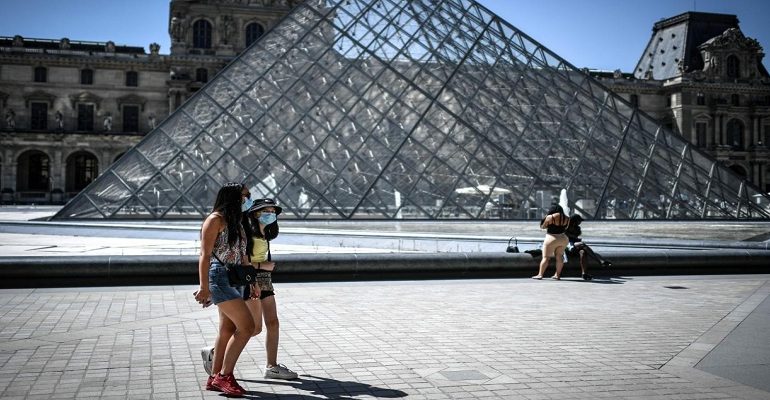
x=578, y=247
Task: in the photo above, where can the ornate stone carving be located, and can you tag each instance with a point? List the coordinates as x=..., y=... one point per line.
x=107, y=125
x=85, y=97
x=226, y=29
x=179, y=73
x=131, y=99
x=732, y=39
x=177, y=28
x=10, y=119
x=151, y=121
x=59, y=120
x=39, y=95
x=731, y=42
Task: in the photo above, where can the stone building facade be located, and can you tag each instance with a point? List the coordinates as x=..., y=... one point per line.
x=700, y=76
x=70, y=108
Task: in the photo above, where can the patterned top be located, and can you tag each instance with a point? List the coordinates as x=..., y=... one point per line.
x=230, y=255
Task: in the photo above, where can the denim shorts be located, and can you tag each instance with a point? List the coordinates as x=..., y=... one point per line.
x=219, y=285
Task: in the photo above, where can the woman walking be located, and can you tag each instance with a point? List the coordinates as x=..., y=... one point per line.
x=261, y=225
x=223, y=240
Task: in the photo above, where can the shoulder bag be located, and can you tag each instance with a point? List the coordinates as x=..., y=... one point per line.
x=239, y=274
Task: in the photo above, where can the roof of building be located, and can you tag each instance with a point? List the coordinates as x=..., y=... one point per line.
x=46, y=45
x=675, y=42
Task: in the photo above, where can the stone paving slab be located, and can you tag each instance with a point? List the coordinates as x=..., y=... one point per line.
x=632, y=338
x=744, y=355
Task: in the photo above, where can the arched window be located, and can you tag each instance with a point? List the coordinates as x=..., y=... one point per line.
x=33, y=172
x=733, y=67
x=201, y=75
x=41, y=74
x=202, y=34
x=253, y=32
x=735, y=99
x=735, y=134
x=82, y=169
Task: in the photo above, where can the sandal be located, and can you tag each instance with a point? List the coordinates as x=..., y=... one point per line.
x=538, y=277
x=555, y=278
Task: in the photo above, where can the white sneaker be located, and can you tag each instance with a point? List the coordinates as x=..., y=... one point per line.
x=279, y=372
x=207, y=353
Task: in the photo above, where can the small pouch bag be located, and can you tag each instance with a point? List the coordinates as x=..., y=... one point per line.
x=238, y=274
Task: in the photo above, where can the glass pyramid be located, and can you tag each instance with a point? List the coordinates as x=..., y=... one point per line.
x=412, y=109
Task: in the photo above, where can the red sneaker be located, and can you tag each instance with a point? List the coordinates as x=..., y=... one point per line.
x=210, y=385
x=228, y=385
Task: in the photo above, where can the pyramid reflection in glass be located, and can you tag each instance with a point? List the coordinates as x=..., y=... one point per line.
x=418, y=109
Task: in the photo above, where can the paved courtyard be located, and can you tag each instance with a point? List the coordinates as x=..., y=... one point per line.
x=634, y=338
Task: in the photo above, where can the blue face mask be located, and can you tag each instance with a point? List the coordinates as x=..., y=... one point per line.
x=246, y=204
x=267, y=218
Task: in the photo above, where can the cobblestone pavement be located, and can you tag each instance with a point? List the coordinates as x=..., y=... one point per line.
x=632, y=338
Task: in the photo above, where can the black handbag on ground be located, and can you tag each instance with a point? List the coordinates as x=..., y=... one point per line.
x=514, y=248
x=238, y=274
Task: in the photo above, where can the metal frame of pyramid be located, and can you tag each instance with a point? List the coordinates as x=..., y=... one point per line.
x=412, y=109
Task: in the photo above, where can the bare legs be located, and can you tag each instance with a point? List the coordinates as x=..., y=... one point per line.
x=271, y=323
x=266, y=309
x=255, y=308
x=559, y=262
x=591, y=253
x=235, y=327
x=586, y=251
x=544, y=264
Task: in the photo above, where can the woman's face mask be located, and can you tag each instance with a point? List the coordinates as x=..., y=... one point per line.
x=247, y=203
x=267, y=218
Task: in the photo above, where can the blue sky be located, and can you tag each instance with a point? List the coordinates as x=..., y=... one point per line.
x=600, y=34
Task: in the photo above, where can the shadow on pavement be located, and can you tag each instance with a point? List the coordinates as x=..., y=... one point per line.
x=604, y=280
x=325, y=388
